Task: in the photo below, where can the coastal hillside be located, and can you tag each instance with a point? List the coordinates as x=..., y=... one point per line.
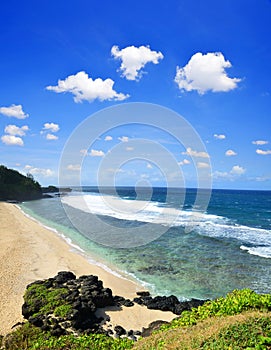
x=18, y=187
x=60, y=314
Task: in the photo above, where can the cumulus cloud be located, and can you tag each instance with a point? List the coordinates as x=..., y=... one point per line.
x=96, y=153
x=108, y=138
x=85, y=88
x=230, y=153
x=39, y=171
x=192, y=153
x=133, y=59
x=48, y=129
x=205, y=72
x=51, y=127
x=237, y=170
x=232, y=175
x=74, y=167
x=219, y=136
x=184, y=162
x=11, y=140
x=51, y=137
x=15, y=111
x=149, y=166
x=262, y=152
x=260, y=142
x=123, y=138
x=16, y=130
x=202, y=165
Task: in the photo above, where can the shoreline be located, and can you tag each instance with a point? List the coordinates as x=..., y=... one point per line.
x=74, y=247
x=30, y=251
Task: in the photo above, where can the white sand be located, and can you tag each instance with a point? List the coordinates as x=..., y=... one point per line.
x=28, y=252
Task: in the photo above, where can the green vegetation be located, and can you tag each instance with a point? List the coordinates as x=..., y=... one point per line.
x=254, y=333
x=29, y=337
x=42, y=300
x=15, y=186
x=233, y=304
x=246, y=331
x=241, y=320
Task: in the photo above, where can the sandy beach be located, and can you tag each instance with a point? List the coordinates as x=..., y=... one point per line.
x=30, y=252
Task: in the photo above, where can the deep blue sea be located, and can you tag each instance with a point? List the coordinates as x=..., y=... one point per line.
x=226, y=247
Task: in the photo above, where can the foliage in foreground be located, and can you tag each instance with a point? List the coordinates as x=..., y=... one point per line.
x=29, y=337
x=241, y=320
x=234, y=303
x=255, y=333
x=195, y=327
x=246, y=331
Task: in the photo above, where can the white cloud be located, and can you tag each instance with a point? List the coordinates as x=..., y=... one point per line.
x=96, y=153
x=219, y=136
x=51, y=127
x=191, y=153
x=85, y=88
x=108, y=138
x=133, y=59
x=51, y=137
x=221, y=174
x=260, y=142
x=232, y=175
x=149, y=166
x=129, y=149
x=230, y=153
x=11, y=140
x=237, y=170
x=15, y=111
x=123, y=138
x=16, y=130
x=74, y=167
x=262, y=152
x=205, y=72
x=184, y=162
x=202, y=165
x=39, y=171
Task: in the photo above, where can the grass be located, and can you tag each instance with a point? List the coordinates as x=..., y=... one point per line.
x=249, y=330
x=241, y=320
x=45, y=300
x=29, y=337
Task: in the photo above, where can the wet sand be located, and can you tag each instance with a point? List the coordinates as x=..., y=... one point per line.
x=29, y=251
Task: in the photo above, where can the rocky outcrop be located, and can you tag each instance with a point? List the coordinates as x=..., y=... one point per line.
x=167, y=303
x=65, y=304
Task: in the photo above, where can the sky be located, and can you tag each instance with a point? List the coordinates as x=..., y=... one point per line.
x=61, y=63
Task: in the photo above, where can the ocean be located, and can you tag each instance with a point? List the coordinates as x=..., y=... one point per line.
x=164, y=242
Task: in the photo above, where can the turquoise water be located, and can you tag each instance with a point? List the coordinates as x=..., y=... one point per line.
x=228, y=248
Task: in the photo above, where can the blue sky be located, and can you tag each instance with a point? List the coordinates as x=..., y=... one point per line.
x=208, y=61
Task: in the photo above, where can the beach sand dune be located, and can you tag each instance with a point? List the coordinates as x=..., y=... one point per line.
x=29, y=251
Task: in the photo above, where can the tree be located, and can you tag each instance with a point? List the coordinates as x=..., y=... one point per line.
x=15, y=186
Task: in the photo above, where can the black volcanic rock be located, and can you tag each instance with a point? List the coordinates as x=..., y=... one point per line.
x=143, y=293
x=64, y=302
x=153, y=326
x=168, y=303
x=64, y=276
x=119, y=330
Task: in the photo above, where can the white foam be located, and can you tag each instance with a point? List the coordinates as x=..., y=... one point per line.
x=156, y=213
x=264, y=252
x=136, y=210
x=75, y=248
